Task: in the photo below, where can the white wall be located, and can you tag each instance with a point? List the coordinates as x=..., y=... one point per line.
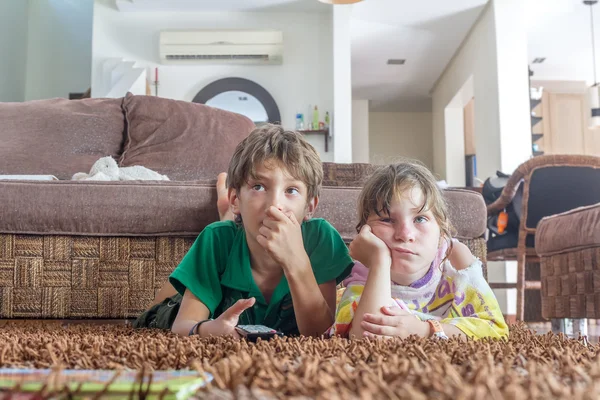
x=59, y=52
x=342, y=85
x=305, y=77
x=13, y=47
x=360, y=131
x=494, y=56
x=513, y=83
x=400, y=134
x=477, y=58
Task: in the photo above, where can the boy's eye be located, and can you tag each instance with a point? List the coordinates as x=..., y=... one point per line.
x=421, y=219
x=293, y=191
x=258, y=187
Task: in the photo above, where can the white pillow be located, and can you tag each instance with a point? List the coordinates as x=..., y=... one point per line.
x=29, y=177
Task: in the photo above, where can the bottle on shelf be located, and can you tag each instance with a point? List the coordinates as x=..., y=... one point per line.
x=315, y=122
x=327, y=120
x=299, y=121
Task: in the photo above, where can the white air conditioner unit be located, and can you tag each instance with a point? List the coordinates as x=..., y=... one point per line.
x=221, y=47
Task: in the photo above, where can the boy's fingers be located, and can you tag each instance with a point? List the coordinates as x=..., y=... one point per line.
x=275, y=213
x=292, y=218
x=232, y=314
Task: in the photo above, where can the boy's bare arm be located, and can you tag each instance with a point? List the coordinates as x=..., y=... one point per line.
x=167, y=290
x=281, y=237
x=190, y=313
x=314, y=305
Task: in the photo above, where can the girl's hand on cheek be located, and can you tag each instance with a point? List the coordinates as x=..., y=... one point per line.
x=370, y=250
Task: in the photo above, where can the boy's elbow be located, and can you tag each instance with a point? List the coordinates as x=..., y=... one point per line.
x=178, y=329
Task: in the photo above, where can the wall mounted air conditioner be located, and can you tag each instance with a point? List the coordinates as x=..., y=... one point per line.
x=221, y=47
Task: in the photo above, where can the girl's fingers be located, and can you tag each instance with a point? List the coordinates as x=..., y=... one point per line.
x=395, y=311
x=379, y=319
x=378, y=329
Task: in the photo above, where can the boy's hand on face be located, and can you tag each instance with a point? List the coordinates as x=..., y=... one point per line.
x=225, y=324
x=369, y=249
x=281, y=236
x=393, y=322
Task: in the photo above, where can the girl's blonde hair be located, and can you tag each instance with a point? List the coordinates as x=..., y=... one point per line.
x=390, y=182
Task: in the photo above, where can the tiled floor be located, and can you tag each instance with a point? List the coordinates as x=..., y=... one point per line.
x=593, y=329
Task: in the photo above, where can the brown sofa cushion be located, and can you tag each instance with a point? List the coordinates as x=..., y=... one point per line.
x=58, y=136
x=354, y=174
x=573, y=230
x=97, y=208
x=164, y=208
x=186, y=141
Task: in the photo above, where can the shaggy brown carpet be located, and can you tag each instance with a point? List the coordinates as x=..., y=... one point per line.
x=526, y=366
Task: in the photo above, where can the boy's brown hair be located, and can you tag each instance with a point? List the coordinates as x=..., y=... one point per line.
x=391, y=182
x=287, y=148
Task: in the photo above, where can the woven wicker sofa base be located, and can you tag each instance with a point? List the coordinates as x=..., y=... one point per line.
x=93, y=277
x=571, y=284
x=83, y=276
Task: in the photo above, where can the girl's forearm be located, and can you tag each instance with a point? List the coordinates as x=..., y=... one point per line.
x=376, y=294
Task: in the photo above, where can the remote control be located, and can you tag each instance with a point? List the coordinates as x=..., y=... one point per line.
x=253, y=332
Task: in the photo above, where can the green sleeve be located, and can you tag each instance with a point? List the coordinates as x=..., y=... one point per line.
x=201, y=269
x=326, y=250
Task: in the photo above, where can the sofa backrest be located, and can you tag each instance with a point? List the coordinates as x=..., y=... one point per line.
x=185, y=141
x=58, y=136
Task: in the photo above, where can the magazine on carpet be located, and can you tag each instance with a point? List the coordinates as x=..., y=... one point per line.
x=174, y=384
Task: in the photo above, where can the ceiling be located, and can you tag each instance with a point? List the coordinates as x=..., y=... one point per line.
x=223, y=5
x=561, y=33
x=426, y=33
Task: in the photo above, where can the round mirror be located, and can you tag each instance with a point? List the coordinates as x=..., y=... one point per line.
x=241, y=96
x=241, y=103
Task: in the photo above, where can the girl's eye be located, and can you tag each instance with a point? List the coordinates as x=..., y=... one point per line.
x=421, y=219
x=258, y=187
x=386, y=220
x=293, y=191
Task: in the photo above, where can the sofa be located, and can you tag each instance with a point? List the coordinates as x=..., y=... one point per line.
x=90, y=249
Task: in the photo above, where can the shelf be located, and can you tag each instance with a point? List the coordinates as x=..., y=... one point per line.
x=318, y=131
x=536, y=136
x=534, y=103
x=314, y=131
x=535, y=120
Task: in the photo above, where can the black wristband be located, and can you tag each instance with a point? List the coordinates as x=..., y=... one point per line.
x=194, y=330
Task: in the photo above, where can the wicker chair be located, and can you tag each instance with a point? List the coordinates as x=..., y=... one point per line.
x=552, y=184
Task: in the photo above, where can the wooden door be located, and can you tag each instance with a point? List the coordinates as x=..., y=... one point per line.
x=567, y=123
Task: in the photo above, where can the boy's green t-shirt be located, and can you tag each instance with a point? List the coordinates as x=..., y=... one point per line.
x=217, y=271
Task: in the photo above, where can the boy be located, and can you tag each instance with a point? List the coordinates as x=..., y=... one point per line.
x=273, y=265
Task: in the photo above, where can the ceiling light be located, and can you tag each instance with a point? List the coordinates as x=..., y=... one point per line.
x=396, y=61
x=340, y=1
x=594, y=90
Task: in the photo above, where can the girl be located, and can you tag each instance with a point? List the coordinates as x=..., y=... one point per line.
x=410, y=277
